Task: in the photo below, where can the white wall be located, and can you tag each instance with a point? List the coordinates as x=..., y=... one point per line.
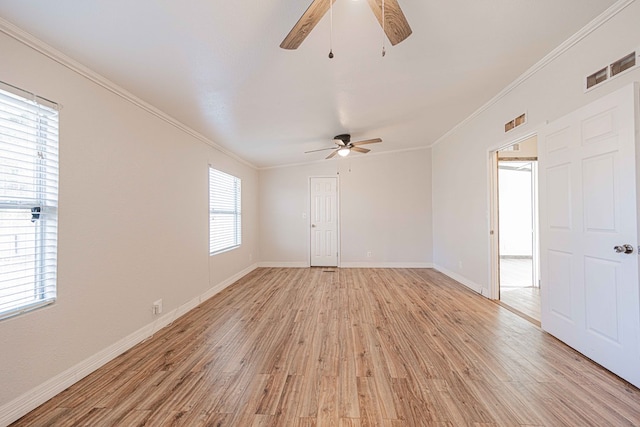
x=460, y=161
x=133, y=205
x=133, y=227
x=385, y=208
x=516, y=211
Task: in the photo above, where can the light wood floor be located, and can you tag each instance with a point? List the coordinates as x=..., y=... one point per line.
x=354, y=347
x=524, y=300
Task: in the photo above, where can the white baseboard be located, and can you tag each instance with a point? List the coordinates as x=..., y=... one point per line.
x=275, y=264
x=386, y=265
x=30, y=400
x=225, y=284
x=463, y=280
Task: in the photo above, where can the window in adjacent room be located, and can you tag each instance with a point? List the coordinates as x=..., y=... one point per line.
x=28, y=201
x=225, y=213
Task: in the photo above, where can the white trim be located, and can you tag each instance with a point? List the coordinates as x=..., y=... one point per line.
x=35, y=397
x=275, y=264
x=492, y=201
x=493, y=224
x=286, y=264
x=365, y=264
x=337, y=212
x=226, y=283
x=596, y=23
x=462, y=280
x=34, y=43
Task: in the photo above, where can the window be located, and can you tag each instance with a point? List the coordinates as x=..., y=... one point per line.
x=28, y=201
x=225, y=225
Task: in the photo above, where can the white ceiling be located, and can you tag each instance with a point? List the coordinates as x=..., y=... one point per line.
x=216, y=66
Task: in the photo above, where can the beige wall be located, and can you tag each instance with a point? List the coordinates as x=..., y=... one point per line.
x=133, y=225
x=133, y=205
x=384, y=202
x=460, y=161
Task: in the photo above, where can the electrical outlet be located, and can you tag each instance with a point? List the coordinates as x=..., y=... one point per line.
x=460, y=265
x=368, y=254
x=157, y=307
x=250, y=257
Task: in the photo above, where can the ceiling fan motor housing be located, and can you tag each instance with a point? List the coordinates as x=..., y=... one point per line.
x=345, y=137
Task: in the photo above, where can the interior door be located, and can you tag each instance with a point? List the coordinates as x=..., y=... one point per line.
x=588, y=212
x=324, y=222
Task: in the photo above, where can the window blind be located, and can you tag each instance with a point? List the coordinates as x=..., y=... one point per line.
x=28, y=201
x=225, y=216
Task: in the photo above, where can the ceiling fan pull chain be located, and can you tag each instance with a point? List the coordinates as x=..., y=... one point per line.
x=383, y=33
x=331, y=30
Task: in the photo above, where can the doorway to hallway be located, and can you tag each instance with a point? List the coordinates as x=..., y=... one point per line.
x=517, y=228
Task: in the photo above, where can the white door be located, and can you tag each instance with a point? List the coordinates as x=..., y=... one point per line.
x=324, y=222
x=587, y=185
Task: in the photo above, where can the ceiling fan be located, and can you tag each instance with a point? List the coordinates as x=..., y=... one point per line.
x=395, y=24
x=344, y=146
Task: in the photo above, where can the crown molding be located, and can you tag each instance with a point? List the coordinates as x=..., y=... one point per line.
x=596, y=23
x=41, y=47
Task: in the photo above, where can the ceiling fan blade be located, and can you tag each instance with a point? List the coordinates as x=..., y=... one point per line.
x=322, y=149
x=396, y=26
x=367, y=141
x=360, y=150
x=305, y=24
x=332, y=154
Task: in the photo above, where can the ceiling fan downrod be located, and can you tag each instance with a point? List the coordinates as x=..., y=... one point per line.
x=383, y=32
x=331, y=30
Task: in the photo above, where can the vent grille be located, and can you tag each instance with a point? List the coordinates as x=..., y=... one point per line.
x=520, y=120
x=597, y=78
x=623, y=64
x=514, y=147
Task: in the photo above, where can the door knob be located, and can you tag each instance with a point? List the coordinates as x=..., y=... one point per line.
x=313, y=226
x=627, y=249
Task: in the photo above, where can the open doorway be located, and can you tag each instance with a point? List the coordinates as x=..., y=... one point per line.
x=517, y=228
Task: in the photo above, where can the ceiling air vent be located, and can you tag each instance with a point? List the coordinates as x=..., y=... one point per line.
x=623, y=64
x=521, y=119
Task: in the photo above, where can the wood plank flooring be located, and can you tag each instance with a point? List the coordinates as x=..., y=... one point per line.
x=352, y=347
x=524, y=300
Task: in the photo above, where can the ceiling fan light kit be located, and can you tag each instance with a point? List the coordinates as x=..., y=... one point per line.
x=344, y=146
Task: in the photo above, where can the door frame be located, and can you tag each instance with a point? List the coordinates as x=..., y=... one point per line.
x=338, y=222
x=493, y=225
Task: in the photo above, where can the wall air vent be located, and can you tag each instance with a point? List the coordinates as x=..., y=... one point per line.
x=597, y=78
x=623, y=64
x=520, y=120
x=514, y=147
